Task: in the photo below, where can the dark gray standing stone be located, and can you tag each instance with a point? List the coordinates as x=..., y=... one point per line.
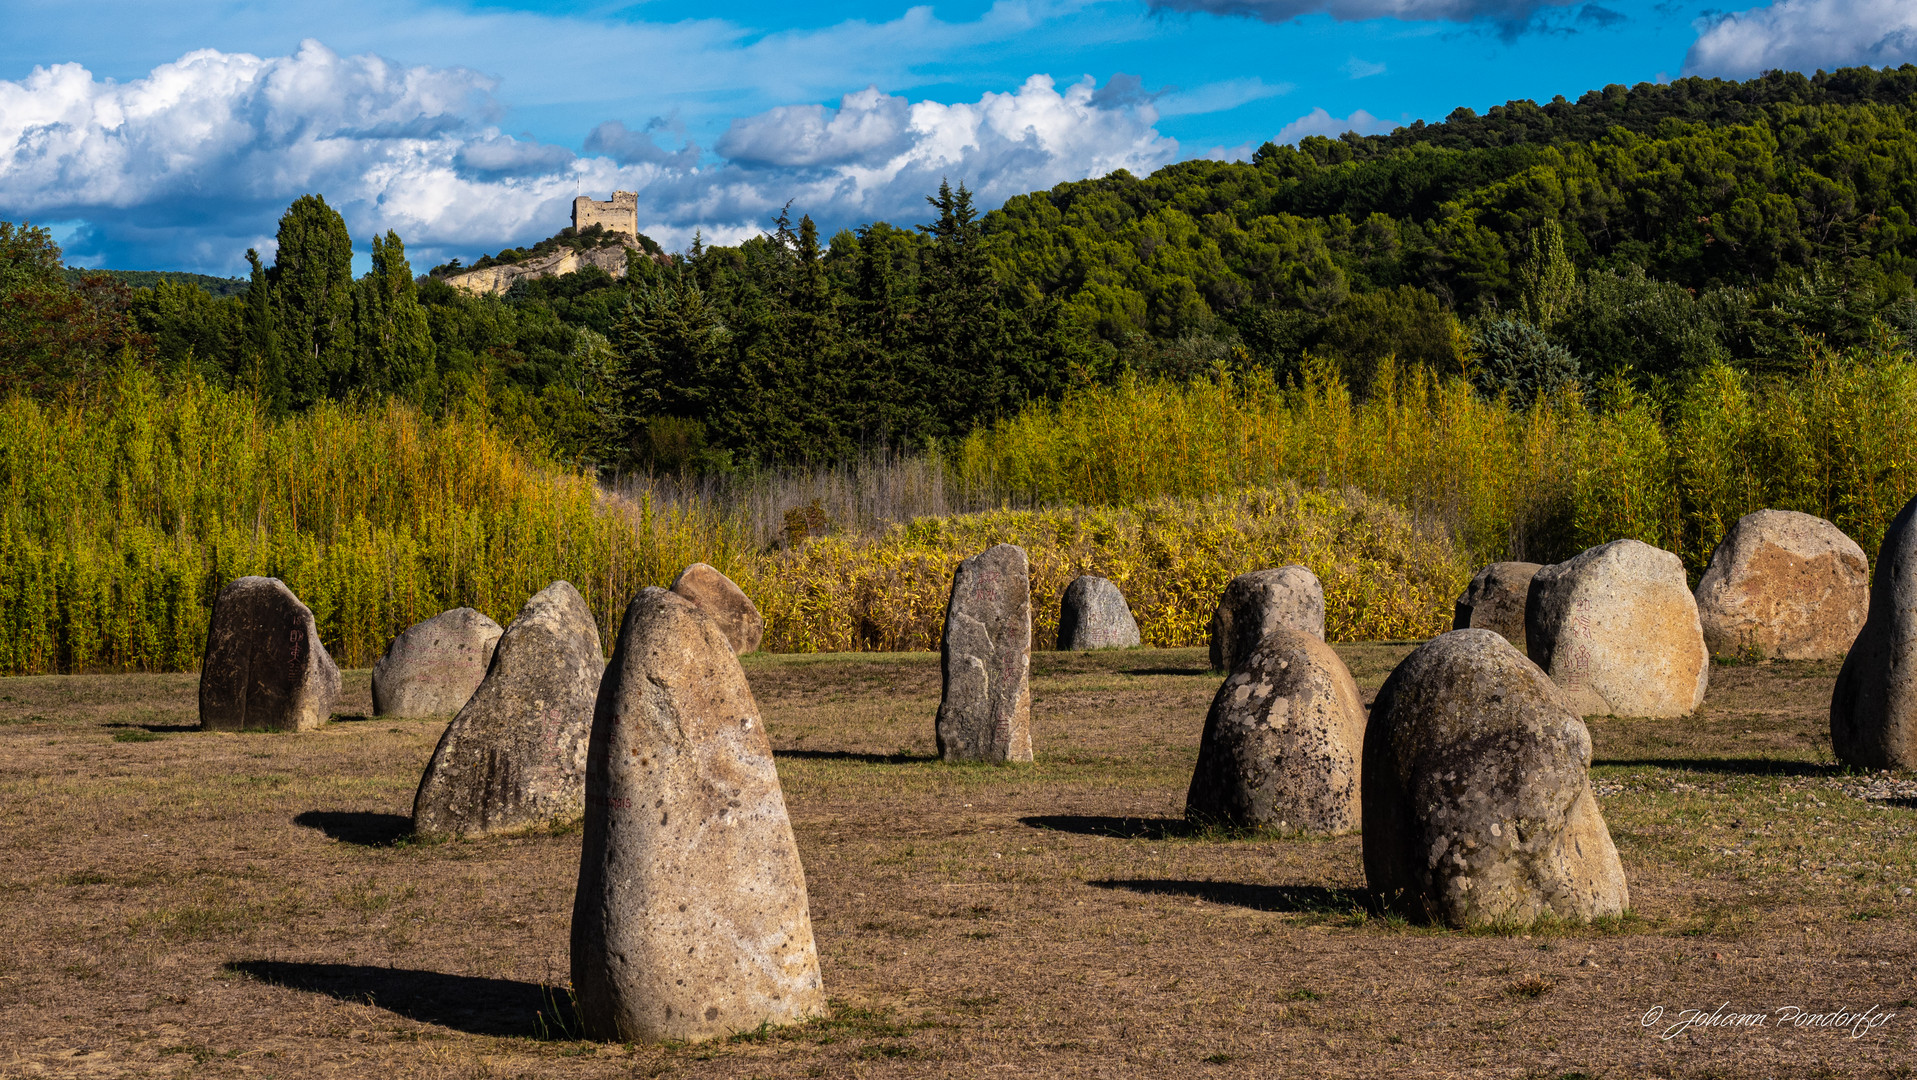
x=515, y=756
x=1495, y=600
x=1257, y=603
x=691, y=920
x=1873, y=709
x=1282, y=742
x=1094, y=615
x=265, y=666
x=985, y=709
x=728, y=605
x=433, y=667
x=1478, y=808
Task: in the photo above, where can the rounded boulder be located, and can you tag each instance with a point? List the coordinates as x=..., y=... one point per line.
x=1478, y=809
x=1617, y=628
x=1282, y=742
x=1094, y=615
x=728, y=605
x=433, y=666
x=1257, y=603
x=1495, y=600
x=1786, y=585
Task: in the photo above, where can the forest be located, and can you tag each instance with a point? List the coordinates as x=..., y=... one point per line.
x=1640, y=233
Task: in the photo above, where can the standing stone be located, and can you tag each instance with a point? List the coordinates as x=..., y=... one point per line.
x=690, y=921
x=985, y=709
x=1784, y=584
x=1478, y=808
x=1257, y=603
x=1495, y=600
x=1094, y=615
x=1873, y=710
x=433, y=667
x=728, y=605
x=1282, y=742
x=515, y=756
x=265, y=667
x=1617, y=628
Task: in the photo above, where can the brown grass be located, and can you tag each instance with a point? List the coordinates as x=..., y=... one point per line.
x=248, y=905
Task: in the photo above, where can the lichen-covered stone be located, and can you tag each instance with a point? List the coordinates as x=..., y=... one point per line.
x=1873, y=708
x=1257, y=603
x=515, y=756
x=690, y=921
x=728, y=605
x=1478, y=808
x=1093, y=615
x=433, y=667
x=1616, y=627
x=1282, y=742
x=1495, y=600
x=1784, y=584
x=265, y=667
x=985, y=708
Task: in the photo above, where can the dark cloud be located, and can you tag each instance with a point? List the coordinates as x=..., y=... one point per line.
x=1601, y=17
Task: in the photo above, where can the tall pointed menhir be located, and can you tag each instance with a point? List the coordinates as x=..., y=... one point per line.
x=985, y=707
x=691, y=919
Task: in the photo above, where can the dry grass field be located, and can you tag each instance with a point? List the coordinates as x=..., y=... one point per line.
x=182, y=904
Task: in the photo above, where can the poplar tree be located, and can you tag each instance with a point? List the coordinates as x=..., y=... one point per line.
x=312, y=282
x=395, y=345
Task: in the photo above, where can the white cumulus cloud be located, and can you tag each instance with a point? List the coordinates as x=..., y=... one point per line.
x=1320, y=122
x=1804, y=35
x=187, y=167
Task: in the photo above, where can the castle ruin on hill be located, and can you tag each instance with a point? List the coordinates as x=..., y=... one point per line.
x=618, y=221
x=621, y=215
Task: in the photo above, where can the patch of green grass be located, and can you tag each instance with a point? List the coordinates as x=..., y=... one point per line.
x=1301, y=994
x=85, y=877
x=1216, y=1059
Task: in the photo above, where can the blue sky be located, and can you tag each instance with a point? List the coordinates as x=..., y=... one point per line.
x=157, y=135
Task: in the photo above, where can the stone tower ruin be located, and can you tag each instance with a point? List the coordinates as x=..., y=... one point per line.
x=621, y=215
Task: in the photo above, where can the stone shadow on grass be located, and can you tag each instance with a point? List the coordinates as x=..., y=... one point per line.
x=1121, y=828
x=157, y=729
x=500, y=1007
x=1741, y=766
x=1295, y=899
x=357, y=827
x=849, y=755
